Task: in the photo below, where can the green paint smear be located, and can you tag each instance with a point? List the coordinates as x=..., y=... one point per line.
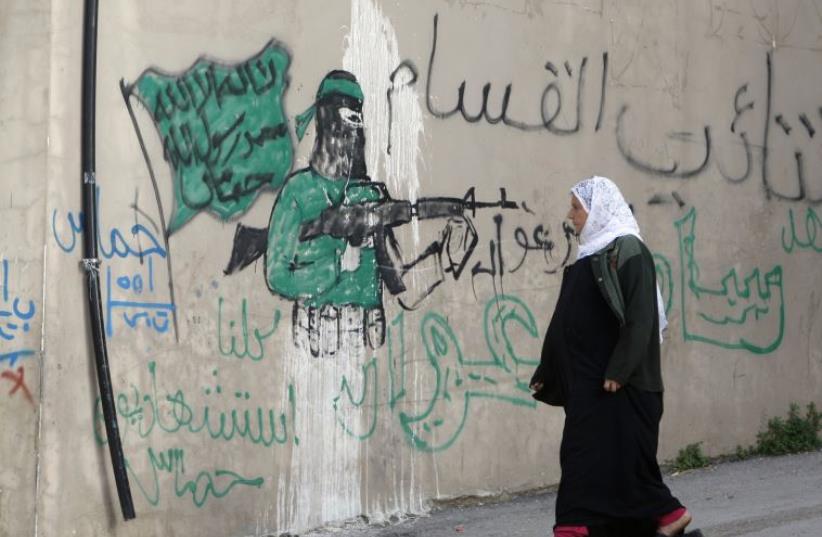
x=224, y=131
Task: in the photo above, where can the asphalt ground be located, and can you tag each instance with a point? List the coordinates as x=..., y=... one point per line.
x=760, y=497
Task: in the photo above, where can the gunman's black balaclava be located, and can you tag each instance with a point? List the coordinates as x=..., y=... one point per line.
x=339, y=147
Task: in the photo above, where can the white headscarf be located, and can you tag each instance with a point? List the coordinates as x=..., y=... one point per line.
x=609, y=217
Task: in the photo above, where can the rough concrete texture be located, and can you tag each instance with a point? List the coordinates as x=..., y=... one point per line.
x=777, y=497
x=308, y=387
x=24, y=115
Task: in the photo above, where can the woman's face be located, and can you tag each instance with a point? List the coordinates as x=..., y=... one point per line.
x=577, y=215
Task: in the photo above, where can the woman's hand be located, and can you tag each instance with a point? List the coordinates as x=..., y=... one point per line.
x=536, y=386
x=611, y=385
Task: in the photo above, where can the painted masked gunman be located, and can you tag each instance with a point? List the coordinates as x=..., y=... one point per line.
x=330, y=246
x=330, y=271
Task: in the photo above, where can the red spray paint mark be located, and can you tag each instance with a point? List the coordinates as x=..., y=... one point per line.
x=19, y=383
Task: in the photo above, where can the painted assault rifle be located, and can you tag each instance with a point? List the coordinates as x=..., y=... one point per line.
x=360, y=221
x=375, y=219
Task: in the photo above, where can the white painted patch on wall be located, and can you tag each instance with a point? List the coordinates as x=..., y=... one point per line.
x=372, y=55
x=322, y=483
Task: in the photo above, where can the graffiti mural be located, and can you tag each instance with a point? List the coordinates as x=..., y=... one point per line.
x=133, y=300
x=17, y=316
x=16, y=319
x=456, y=379
x=364, y=220
x=223, y=129
x=332, y=251
x=330, y=247
x=321, y=251
x=250, y=341
x=550, y=106
x=740, y=312
x=18, y=383
x=750, y=132
x=753, y=122
x=205, y=484
x=809, y=238
x=225, y=415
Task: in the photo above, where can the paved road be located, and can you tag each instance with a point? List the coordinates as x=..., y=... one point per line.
x=763, y=497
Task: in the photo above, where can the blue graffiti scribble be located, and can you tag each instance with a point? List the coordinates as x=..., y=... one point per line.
x=75, y=225
x=14, y=320
x=131, y=305
x=154, y=315
x=118, y=246
x=12, y=357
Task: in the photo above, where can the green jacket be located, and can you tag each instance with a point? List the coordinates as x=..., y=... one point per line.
x=625, y=273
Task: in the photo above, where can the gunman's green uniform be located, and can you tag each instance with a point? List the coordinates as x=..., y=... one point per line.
x=311, y=269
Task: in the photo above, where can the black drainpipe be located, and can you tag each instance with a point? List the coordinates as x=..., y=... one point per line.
x=91, y=263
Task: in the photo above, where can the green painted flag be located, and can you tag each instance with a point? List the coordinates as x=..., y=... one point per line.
x=224, y=131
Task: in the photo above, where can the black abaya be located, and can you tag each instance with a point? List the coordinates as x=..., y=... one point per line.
x=609, y=442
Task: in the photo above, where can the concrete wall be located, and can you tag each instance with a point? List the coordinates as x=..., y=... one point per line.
x=24, y=115
x=245, y=414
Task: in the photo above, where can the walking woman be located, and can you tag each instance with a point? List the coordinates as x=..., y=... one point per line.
x=601, y=362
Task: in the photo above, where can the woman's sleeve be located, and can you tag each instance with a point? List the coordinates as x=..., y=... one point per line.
x=550, y=374
x=637, y=281
x=544, y=361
